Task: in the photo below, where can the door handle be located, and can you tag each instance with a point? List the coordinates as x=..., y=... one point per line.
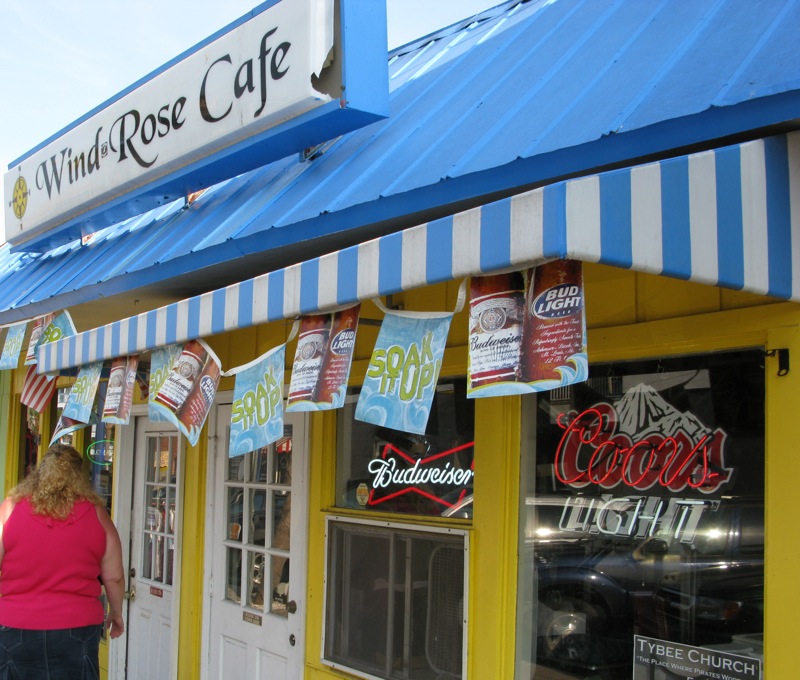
x=130, y=595
x=291, y=606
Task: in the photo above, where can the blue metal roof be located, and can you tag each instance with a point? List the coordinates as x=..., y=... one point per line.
x=522, y=95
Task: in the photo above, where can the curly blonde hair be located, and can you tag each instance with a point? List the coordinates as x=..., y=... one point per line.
x=57, y=483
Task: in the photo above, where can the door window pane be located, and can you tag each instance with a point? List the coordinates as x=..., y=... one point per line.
x=159, y=521
x=280, y=584
x=256, y=576
x=281, y=519
x=233, y=575
x=235, y=512
x=257, y=526
x=258, y=516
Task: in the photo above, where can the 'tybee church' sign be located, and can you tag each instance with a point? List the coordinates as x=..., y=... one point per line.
x=269, y=85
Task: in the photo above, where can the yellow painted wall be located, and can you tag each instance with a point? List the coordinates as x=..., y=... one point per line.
x=190, y=634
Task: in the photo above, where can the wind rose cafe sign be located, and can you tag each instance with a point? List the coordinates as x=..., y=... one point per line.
x=271, y=84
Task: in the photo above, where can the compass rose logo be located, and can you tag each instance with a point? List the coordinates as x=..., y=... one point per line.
x=19, y=200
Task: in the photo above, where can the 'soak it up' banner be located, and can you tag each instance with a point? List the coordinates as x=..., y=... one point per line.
x=402, y=374
x=257, y=410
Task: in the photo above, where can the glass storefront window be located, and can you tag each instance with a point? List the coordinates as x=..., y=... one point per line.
x=642, y=535
x=381, y=469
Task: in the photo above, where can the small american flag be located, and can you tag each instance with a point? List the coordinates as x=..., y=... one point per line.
x=38, y=390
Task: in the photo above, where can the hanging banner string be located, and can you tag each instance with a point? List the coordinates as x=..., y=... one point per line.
x=460, y=301
x=250, y=364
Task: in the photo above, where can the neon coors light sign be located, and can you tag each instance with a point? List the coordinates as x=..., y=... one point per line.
x=640, y=442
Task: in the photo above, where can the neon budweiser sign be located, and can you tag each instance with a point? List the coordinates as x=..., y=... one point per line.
x=640, y=442
x=396, y=473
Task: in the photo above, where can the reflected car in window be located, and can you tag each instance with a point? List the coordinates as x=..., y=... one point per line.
x=698, y=581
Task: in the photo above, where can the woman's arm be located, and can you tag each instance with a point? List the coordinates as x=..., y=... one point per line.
x=112, y=575
x=5, y=512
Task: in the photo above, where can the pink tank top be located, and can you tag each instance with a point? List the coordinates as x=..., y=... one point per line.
x=49, y=577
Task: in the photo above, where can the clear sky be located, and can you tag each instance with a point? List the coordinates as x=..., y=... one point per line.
x=58, y=60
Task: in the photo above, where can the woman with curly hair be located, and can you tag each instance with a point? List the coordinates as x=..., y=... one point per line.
x=57, y=546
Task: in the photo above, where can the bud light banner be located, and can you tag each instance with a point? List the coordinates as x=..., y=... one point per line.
x=257, y=410
x=322, y=361
x=402, y=373
x=188, y=391
x=12, y=347
x=81, y=396
x=119, y=395
x=527, y=331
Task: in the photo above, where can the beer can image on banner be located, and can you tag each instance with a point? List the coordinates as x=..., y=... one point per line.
x=496, y=309
x=37, y=328
x=319, y=376
x=554, y=336
x=531, y=341
x=187, y=394
x=311, y=343
x=119, y=395
x=335, y=372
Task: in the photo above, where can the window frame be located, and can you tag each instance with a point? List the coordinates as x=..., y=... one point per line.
x=390, y=527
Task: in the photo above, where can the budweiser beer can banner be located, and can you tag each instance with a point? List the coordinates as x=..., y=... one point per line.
x=48, y=329
x=12, y=347
x=257, y=410
x=81, y=396
x=187, y=393
x=322, y=361
x=527, y=331
x=119, y=395
x=402, y=373
x=161, y=363
x=36, y=335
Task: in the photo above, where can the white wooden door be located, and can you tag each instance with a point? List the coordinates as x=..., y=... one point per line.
x=256, y=560
x=154, y=556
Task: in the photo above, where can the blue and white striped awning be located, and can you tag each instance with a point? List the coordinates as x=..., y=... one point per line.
x=728, y=217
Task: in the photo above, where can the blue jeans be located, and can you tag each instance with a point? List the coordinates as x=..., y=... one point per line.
x=66, y=654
